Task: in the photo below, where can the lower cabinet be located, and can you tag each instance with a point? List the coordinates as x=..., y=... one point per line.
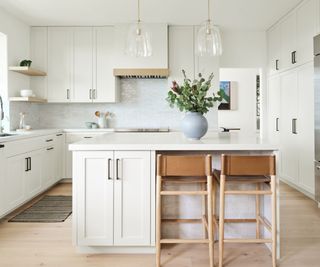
x=34, y=173
x=113, y=198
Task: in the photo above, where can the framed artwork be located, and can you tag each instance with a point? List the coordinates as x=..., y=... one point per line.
x=225, y=87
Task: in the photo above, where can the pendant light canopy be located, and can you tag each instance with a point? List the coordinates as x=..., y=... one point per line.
x=138, y=39
x=209, y=38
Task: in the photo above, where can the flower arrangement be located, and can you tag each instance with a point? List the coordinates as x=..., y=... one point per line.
x=192, y=96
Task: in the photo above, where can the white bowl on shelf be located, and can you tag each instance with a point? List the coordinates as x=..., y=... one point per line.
x=26, y=93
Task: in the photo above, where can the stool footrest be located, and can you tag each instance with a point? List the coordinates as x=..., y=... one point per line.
x=247, y=192
x=240, y=220
x=238, y=240
x=181, y=220
x=181, y=193
x=184, y=241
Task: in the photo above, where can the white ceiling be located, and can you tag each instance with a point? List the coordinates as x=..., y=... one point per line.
x=230, y=14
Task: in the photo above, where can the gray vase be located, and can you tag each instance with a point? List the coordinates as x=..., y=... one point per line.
x=194, y=125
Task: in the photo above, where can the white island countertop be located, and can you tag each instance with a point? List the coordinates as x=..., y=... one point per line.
x=173, y=141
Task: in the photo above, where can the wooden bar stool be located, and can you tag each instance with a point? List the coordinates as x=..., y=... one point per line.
x=243, y=169
x=185, y=169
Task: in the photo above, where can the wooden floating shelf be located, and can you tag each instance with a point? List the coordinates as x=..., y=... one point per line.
x=27, y=71
x=28, y=99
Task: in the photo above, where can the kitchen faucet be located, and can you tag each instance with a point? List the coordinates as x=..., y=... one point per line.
x=1, y=113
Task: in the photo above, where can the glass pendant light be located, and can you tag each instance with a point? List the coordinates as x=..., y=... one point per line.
x=138, y=39
x=209, y=38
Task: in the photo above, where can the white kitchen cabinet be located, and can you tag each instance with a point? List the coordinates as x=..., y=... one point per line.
x=113, y=198
x=33, y=177
x=274, y=104
x=159, y=43
x=132, y=211
x=72, y=138
x=14, y=182
x=308, y=23
x=288, y=41
x=305, y=128
x=60, y=64
x=95, y=199
x=60, y=150
x=181, y=52
x=83, y=64
x=50, y=166
x=274, y=49
x=2, y=180
x=104, y=83
x=39, y=57
x=288, y=122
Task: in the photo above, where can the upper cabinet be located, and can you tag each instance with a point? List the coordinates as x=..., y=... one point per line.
x=159, y=41
x=79, y=62
x=290, y=42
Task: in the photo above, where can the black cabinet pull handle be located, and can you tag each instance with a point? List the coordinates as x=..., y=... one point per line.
x=293, y=57
x=59, y=134
x=277, y=124
x=117, y=169
x=49, y=140
x=50, y=148
x=68, y=94
x=87, y=137
x=294, y=126
x=109, y=164
x=277, y=64
x=1, y=146
x=27, y=165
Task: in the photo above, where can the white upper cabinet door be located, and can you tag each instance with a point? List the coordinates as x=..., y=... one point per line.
x=95, y=198
x=181, y=52
x=104, y=81
x=60, y=64
x=132, y=198
x=289, y=127
x=39, y=57
x=34, y=175
x=274, y=49
x=305, y=128
x=288, y=41
x=159, y=43
x=307, y=28
x=274, y=103
x=83, y=64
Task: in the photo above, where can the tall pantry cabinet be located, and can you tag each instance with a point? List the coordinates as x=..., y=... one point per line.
x=290, y=94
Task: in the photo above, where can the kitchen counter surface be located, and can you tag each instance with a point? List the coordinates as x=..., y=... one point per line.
x=28, y=134
x=173, y=141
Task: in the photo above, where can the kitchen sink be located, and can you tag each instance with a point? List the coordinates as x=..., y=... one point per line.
x=5, y=135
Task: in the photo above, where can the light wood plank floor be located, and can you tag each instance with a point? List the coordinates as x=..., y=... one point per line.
x=43, y=244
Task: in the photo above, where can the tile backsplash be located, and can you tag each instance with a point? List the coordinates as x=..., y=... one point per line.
x=142, y=104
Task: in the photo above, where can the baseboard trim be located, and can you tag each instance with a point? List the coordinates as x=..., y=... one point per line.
x=303, y=191
x=65, y=181
x=116, y=250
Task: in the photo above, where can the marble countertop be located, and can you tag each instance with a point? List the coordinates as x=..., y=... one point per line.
x=173, y=141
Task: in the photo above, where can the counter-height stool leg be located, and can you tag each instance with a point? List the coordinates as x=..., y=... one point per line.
x=221, y=219
x=274, y=220
x=158, y=220
x=210, y=222
x=204, y=212
x=258, y=212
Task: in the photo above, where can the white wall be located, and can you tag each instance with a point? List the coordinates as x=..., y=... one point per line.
x=244, y=116
x=18, y=43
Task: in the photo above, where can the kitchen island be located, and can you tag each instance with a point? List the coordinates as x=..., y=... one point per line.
x=114, y=177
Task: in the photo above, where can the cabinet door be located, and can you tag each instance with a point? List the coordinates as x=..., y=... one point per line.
x=14, y=181
x=274, y=96
x=50, y=168
x=104, y=81
x=307, y=28
x=34, y=176
x=60, y=143
x=83, y=64
x=3, y=173
x=95, y=198
x=289, y=139
x=274, y=49
x=39, y=56
x=305, y=128
x=60, y=64
x=181, y=51
x=132, y=198
x=288, y=40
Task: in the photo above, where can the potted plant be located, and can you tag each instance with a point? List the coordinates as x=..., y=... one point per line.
x=191, y=97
